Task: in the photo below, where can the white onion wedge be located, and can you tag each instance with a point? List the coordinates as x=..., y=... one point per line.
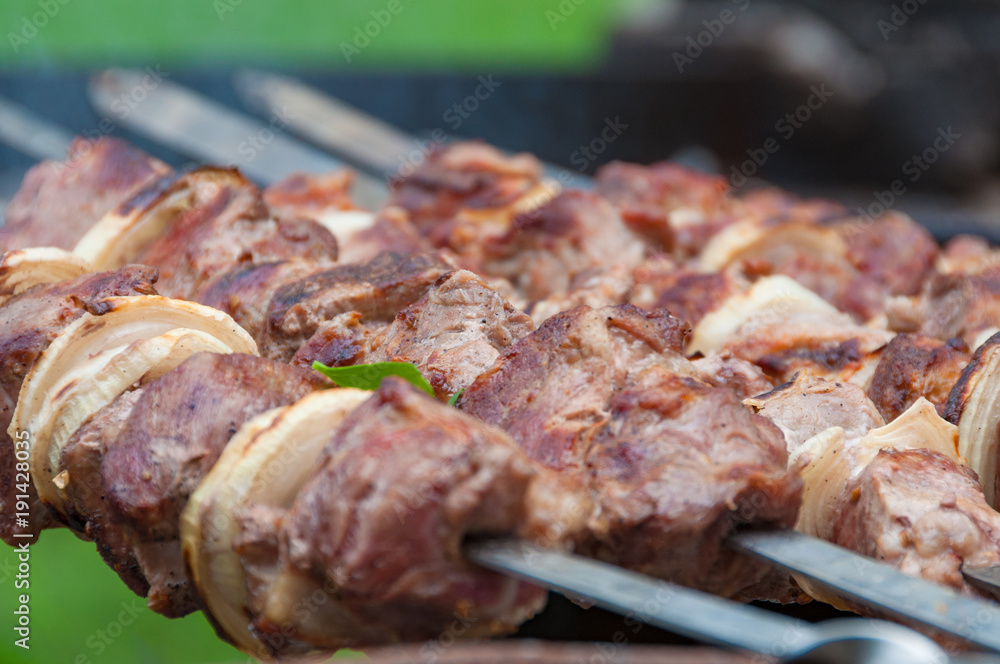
x=76, y=398
x=750, y=239
x=974, y=405
x=88, y=344
x=21, y=269
x=121, y=235
x=264, y=465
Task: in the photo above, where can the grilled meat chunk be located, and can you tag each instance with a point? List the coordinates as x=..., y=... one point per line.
x=809, y=405
x=149, y=452
x=59, y=201
x=378, y=289
x=964, y=305
x=548, y=248
x=29, y=321
x=605, y=396
x=893, y=250
x=742, y=377
x=230, y=224
x=402, y=484
x=391, y=230
x=685, y=293
x=913, y=366
x=452, y=334
x=673, y=443
x=921, y=512
x=309, y=195
x=674, y=208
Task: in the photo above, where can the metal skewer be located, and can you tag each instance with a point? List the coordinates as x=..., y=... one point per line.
x=205, y=130
x=865, y=581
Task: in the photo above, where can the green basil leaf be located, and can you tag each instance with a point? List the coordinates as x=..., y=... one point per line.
x=369, y=376
x=454, y=398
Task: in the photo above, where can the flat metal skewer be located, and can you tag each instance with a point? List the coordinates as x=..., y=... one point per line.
x=207, y=131
x=24, y=131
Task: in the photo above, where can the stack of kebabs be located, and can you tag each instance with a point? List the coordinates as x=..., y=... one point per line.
x=630, y=373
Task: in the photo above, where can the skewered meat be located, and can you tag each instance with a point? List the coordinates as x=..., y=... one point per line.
x=382, y=500
x=378, y=289
x=913, y=366
x=545, y=250
x=895, y=251
x=149, y=451
x=676, y=209
x=451, y=334
x=29, y=321
x=606, y=396
x=684, y=292
x=59, y=201
x=310, y=195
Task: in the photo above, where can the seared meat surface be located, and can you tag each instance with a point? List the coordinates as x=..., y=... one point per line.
x=401, y=485
x=378, y=289
x=685, y=293
x=452, y=334
x=605, y=396
x=914, y=366
x=59, y=201
x=677, y=467
x=228, y=225
x=309, y=195
x=921, y=512
x=151, y=451
x=893, y=250
x=29, y=321
x=547, y=248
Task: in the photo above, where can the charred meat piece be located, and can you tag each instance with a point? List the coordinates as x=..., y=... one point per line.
x=309, y=195
x=674, y=208
x=894, y=250
x=685, y=293
x=546, y=249
x=59, y=201
x=452, y=334
x=391, y=230
x=244, y=291
x=605, y=396
x=913, y=366
x=740, y=376
x=921, y=512
x=150, y=451
x=29, y=321
x=230, y=224
x=550, y=388
x=678, y=466
x=378, y=289
x=403, y=483
x=951, y=305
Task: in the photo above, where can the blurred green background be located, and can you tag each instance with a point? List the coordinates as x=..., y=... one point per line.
x=554, y=34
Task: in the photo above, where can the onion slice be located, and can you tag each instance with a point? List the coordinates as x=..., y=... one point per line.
x=21, y=269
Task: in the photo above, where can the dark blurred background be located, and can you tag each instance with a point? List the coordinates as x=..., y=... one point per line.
x=835, y=99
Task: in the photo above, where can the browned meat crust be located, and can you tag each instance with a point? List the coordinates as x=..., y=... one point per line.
x=894, y=250
x=685, y=293
x=151, y=452
x=29, y=322
x=913, y=366
x=230, y=224
x=546, y=249
x=606, y=397
x=378, y=289
x=648, y=195
x=922, y=513
x=452, y=334
x=404, y=482
x=392, y=231
x=59, y=201
x=680, y=465
x=305, y=195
